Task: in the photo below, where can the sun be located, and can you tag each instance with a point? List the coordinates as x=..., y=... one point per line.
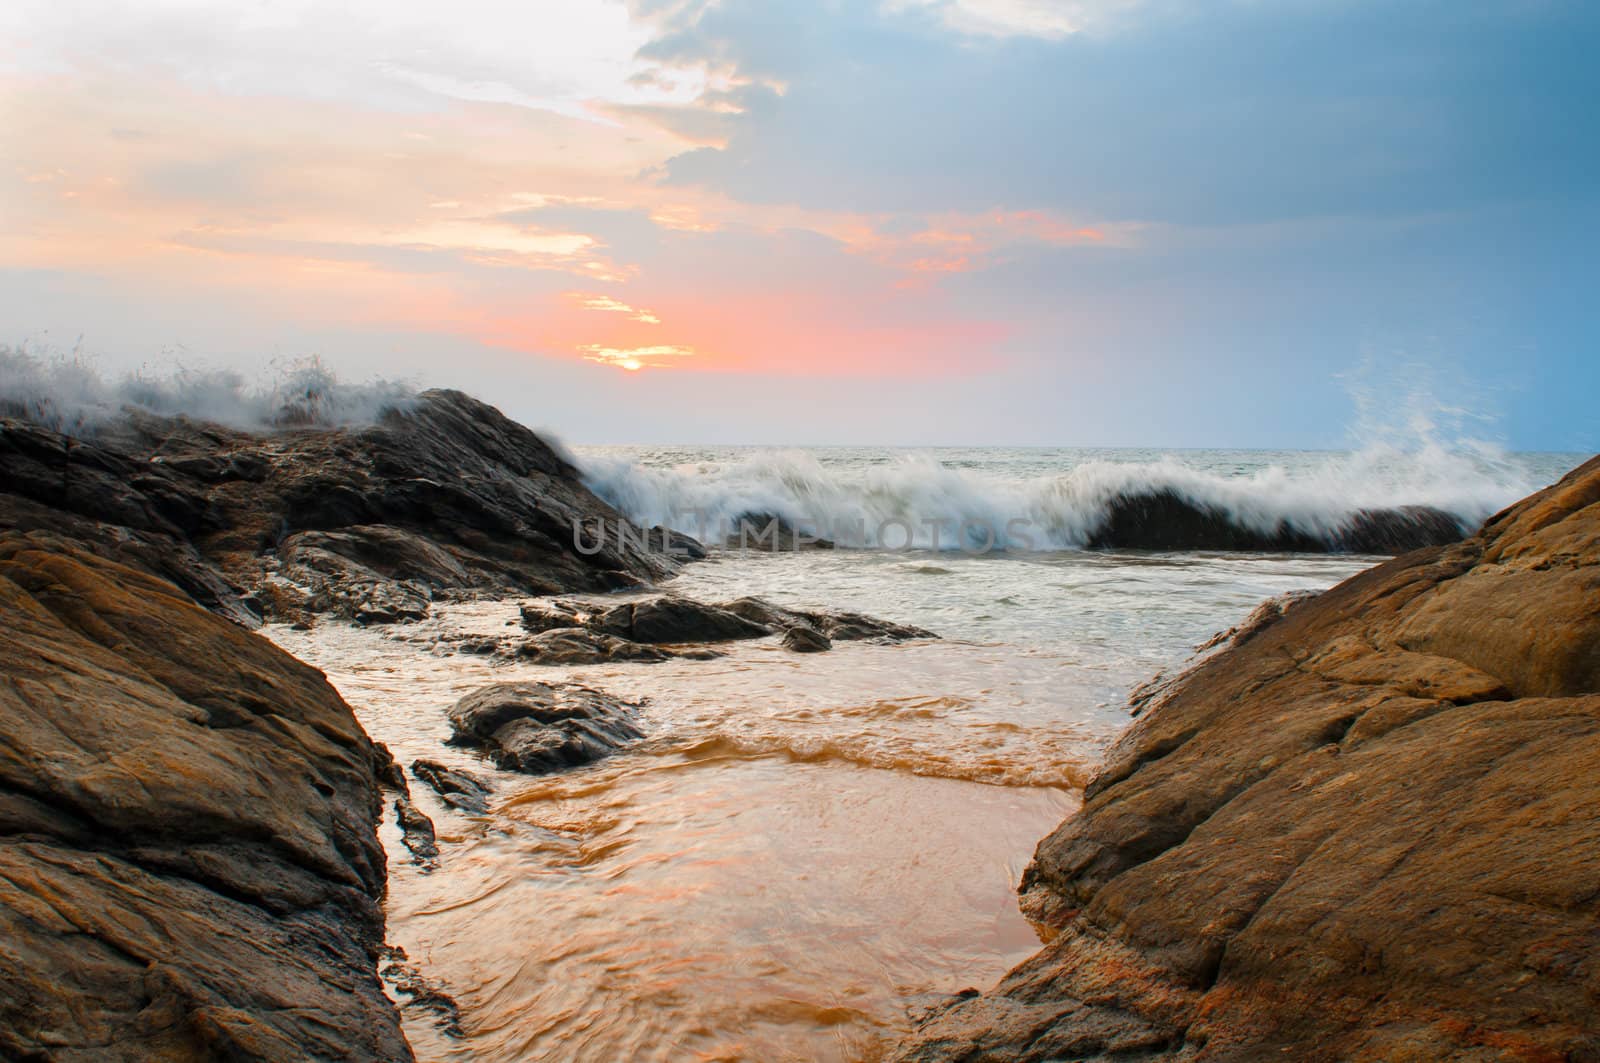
x=631, y=364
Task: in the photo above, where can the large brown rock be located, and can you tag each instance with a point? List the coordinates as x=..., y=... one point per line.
x=189, y=868
x=444, y=494
x=1369, y=829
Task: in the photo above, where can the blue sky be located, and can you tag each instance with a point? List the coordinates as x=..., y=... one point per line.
x=1102, y=222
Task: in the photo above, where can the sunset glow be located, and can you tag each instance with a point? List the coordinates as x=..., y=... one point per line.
x=923, y=191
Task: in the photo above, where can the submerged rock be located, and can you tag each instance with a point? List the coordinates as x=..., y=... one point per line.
x=538, y=728
x=1364, y=829
x=189, y=863
x=457, y=788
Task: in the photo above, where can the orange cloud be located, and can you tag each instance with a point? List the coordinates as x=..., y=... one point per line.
x=634, y=358
x=607, y=304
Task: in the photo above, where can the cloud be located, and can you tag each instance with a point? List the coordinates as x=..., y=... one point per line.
x=633, y=359
x=607, y=305
x=1237, y=112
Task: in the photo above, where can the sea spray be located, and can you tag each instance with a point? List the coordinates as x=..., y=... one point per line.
x=1062, y=504
x=69, y=393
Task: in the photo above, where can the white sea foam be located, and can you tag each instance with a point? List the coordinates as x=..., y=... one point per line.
x=876, y=503
x=70, y=394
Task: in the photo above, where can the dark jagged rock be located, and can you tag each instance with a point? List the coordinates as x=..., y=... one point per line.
x=1365, y=829
x=445, y=495
x=834, y=625
x=422, y=993
x=189, y=865
x=538, y=728
x=416, y=831
x=671, y=619
x=1165, y=520
x=457, y=788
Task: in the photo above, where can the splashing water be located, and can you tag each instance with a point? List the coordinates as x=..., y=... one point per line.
x=68, y=393
x=1046, y=499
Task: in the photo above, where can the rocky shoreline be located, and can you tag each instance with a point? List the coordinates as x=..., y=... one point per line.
x=189, y=814
x=1365, y=829
x=191, y=867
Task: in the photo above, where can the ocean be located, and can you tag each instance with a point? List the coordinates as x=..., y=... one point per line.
x=807, y=849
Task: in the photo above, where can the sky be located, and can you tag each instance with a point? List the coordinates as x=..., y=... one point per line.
x=1168, y=223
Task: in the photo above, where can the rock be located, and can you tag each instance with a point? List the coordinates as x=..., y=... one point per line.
x=459, y=789
x=773, y=534
x=1366, y=830
x=671, y=619
x=416, y=831
x=803, y=638
x=677, y=544
x=189, y=863
x=538, y=728
x=443, y=496
x=1394, y=531
x=422, y=993
x=546, y=615
x=834, y=625
x=581, y=646
x=1165, y=520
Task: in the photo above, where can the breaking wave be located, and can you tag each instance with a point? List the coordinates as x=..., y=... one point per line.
x=70, y=394
x=876, y=505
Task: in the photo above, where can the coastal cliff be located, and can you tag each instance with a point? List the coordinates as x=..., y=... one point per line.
x=1366, y=829
x=189, y=866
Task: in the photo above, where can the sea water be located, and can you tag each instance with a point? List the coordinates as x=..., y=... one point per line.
x=809, y=848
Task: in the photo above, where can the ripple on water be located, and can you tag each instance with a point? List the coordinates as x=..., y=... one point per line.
x=805, y=849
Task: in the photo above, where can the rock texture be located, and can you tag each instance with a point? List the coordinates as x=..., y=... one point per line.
x=1367, y=829
x=189, y=868
x=538, y=728
x=1165, y=520
x=444, y=495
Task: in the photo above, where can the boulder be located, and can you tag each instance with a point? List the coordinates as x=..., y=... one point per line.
x=537, y=728
x=189, y=863
x=1364, y=829
x=671, y=619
